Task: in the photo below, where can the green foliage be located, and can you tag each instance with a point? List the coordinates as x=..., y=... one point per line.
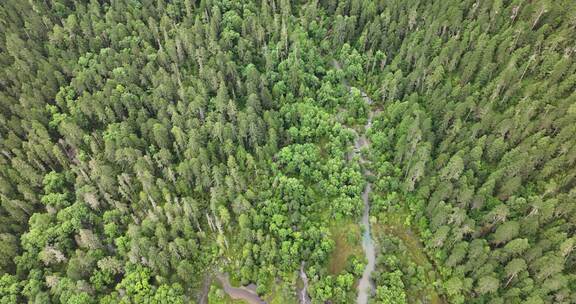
x=10, y=289
x=175, y=137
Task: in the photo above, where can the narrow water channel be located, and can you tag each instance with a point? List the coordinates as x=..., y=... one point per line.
x=366, y=286
x=303, y=297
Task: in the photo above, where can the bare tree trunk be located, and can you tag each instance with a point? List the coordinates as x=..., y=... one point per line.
x=527, y=66
x=542, y=11
x=210, y=223
x=152, y=201
x=510, y=280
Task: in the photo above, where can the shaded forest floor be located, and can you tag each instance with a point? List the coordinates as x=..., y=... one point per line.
x=394, y=224
x=347, y=243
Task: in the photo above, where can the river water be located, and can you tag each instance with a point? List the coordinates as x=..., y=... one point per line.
x=304, y=298
x=366, y=286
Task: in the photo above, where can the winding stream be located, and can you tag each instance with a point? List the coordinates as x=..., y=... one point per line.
x=303, y=297
x=365, y=285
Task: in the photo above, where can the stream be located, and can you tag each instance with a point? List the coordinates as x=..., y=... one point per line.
x=365, y=285
x=303, y=296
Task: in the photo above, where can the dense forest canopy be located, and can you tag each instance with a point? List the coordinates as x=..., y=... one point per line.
x=149, y=147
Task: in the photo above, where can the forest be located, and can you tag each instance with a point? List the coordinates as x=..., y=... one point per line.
x=288, y=151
